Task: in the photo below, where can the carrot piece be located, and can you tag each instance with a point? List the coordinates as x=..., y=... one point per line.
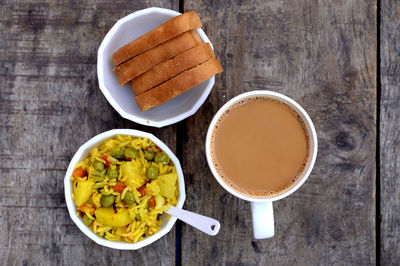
x=142, y=190
x=85, y=208
x=119, y=187
x=105, y=158
x=79, y=172
x=152, y=202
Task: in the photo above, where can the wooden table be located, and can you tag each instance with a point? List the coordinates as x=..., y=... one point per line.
x=323, y=54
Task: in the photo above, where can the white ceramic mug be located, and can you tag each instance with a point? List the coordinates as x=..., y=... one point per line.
x=261, y=206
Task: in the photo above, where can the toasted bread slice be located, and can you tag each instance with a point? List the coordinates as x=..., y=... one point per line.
x=168, y=30
x=172, y=67
x=147, y=60
x=178, y=85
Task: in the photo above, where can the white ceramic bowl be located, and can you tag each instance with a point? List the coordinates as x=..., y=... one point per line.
x=121, y=97
x=83, y=152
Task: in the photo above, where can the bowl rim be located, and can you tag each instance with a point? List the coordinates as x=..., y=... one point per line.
x=110, y=99
x=96, y=140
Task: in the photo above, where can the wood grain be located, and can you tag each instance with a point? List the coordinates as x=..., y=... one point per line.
x=389, y=131
x=320, y=53
x=50, y=104
x=323, y=55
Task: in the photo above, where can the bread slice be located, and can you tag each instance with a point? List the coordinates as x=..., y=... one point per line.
x=178, y=85
x=147, y=60
x=168, y=30
x=172, y=67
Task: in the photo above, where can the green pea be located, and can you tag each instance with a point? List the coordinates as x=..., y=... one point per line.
x=86, y=220
x=99, y=166
x=162, y=157
x=112, y=173
x=152, y=172
x=129, y=198
x=137, y=216
x=107, y=200
x=117, y=152
x=130, y=153
x=149, y=155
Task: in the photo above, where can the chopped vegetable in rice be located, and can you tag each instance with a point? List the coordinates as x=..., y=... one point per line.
x=123, y=188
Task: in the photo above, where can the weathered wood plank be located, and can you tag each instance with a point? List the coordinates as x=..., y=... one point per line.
x=50, y=104
x=322, y=54
x=389, y=131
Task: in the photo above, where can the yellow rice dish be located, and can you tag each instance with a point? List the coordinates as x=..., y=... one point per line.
x=123, y=187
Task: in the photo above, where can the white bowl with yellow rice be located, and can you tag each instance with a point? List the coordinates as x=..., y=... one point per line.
x=132, y=230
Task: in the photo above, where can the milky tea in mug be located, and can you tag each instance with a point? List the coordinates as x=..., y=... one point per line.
x=259, y=146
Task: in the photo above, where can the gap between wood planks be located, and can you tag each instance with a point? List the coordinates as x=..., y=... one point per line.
x=179, y=153
x=178, y=226
x=378, y=137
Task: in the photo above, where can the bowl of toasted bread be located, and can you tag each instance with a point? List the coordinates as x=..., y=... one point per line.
x=156, y=66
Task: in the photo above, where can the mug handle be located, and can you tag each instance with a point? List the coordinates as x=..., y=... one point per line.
x=263, y=219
